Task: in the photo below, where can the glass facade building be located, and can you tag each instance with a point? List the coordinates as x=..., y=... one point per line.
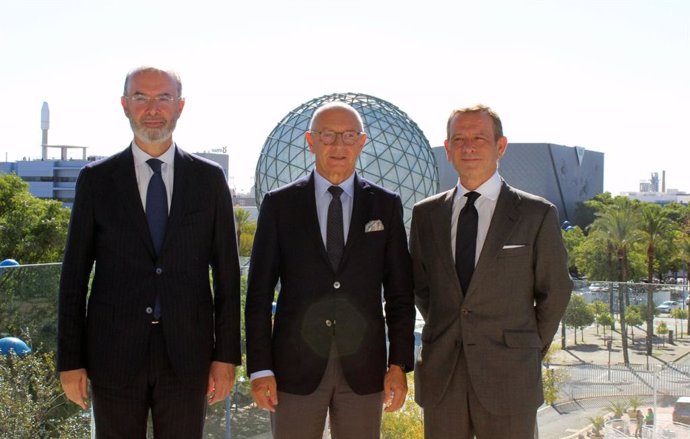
x=396, y=154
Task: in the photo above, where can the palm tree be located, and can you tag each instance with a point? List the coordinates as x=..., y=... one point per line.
x=241, y=219
x=618, y=225
x=655, y=225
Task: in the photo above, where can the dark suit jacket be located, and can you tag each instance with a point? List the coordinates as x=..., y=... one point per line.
x=511, y=311
x=288, y=247
x=109, y=336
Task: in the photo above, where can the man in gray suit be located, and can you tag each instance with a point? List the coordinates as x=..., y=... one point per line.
x=491, y=281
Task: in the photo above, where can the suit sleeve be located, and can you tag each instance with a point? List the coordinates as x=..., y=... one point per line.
x=421, y=281
x=397, y=291
x=263, y=276
x=553, y=285
x=226, y=278
x=74, y=280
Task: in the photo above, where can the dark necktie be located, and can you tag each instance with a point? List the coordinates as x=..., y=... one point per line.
x=466, y=241
x=156, y=214
x=335, y=239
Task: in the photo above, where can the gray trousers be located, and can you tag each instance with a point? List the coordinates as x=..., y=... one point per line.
x=352, y=416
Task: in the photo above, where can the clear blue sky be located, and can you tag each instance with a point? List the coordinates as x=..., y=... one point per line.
x=612, y=76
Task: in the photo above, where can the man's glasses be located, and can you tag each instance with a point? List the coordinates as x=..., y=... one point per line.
x=328, y=136
x=142, y=100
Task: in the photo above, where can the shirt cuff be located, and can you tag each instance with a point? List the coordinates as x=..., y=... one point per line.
x=261, y=374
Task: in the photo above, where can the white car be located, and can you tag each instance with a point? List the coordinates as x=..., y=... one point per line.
x=667, y=306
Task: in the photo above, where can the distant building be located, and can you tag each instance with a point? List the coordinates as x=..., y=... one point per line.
x=57, y=179
x=670, y=196
x=564, y=175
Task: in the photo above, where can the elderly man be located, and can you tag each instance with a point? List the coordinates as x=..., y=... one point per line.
x=333, y=240
x=491, y=281
x=154, y=335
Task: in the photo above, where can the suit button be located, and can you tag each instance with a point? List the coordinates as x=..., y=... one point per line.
x=159, y=270
x=336, y=285
x=329, y=323
x=465, y=312
x=149, y=310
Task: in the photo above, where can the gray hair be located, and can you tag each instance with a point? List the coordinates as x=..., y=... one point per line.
x=171, y=73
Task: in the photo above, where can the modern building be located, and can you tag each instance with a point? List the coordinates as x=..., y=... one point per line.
x=396, y=154
x=56, y=179
x=563, y=175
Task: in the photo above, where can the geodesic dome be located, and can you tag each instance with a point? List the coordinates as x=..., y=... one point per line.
x=396, y=154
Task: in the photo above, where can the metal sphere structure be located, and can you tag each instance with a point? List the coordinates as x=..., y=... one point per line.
x=396, y=154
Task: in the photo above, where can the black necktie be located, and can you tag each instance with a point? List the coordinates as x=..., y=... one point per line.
x=156, y=214
x=335, y=238
x=466, y=241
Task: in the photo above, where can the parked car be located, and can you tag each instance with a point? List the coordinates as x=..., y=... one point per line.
x=598, y=287
x=667, y=306
x=681, y=410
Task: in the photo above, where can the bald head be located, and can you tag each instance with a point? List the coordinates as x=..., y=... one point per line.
x=148, y=69
x=331, y=106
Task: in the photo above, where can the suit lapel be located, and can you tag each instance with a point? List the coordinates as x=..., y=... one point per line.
x=307, y=200
x=502, y=223
x=361, y=209
x=125, y=178
x=182, y=190
x=441, y=220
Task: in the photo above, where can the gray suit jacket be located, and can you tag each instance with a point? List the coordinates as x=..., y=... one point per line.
x=511, y=311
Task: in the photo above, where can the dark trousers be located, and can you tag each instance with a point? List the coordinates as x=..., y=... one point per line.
x=460, y=415
x=177, y=410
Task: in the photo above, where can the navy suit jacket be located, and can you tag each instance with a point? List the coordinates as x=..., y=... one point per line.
x=317, y=303
x=108, y=335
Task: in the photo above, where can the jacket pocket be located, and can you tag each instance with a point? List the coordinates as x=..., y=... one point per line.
x=522, y=339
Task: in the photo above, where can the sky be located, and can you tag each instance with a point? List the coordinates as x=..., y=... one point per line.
x=612, y=76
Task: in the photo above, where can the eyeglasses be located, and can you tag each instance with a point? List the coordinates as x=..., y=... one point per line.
x=328, y=136
x=142, y=100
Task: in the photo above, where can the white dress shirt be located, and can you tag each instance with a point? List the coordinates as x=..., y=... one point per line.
x=144, y=172
x=485, y=204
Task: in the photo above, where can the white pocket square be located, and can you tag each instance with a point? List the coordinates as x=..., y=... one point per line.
x=513, y=246
x=373, y=226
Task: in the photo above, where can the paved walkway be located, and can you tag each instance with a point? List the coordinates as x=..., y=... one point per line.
x=569, y=419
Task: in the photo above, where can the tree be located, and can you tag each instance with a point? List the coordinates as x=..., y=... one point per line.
x=245, y=230
x=598, y=308
x=662, y=330
x=32, y=230
x=655, y=225
x=617, y=225
x=633, y=318
x=679, y=314
x=578, y=315
x=605, y=319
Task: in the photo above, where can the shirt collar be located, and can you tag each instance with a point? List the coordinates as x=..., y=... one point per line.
x=140, y=157
x=490, y=189
x=321, y=185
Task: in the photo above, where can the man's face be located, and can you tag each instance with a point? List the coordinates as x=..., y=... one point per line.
x=152, y=106
x=472, y=148
x=335, y=161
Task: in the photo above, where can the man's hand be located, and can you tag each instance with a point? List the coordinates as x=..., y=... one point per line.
x=75, y=384
x=394, y=388
x=265, y=393
x=221, y=377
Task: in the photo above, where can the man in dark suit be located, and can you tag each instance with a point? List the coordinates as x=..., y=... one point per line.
x=333, y=240
x=154, y=334
x=491, y=281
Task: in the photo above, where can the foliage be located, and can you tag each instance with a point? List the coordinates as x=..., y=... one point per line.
x=32, y=404
x=633, y=318
x=662, y=330
x=578, y=315
x=406, y=423
x=618, y=408
x=552, y=378
x=679, y=314
x=246, y=228
x=597, y=423
x=32, y=230
x=605, y=319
